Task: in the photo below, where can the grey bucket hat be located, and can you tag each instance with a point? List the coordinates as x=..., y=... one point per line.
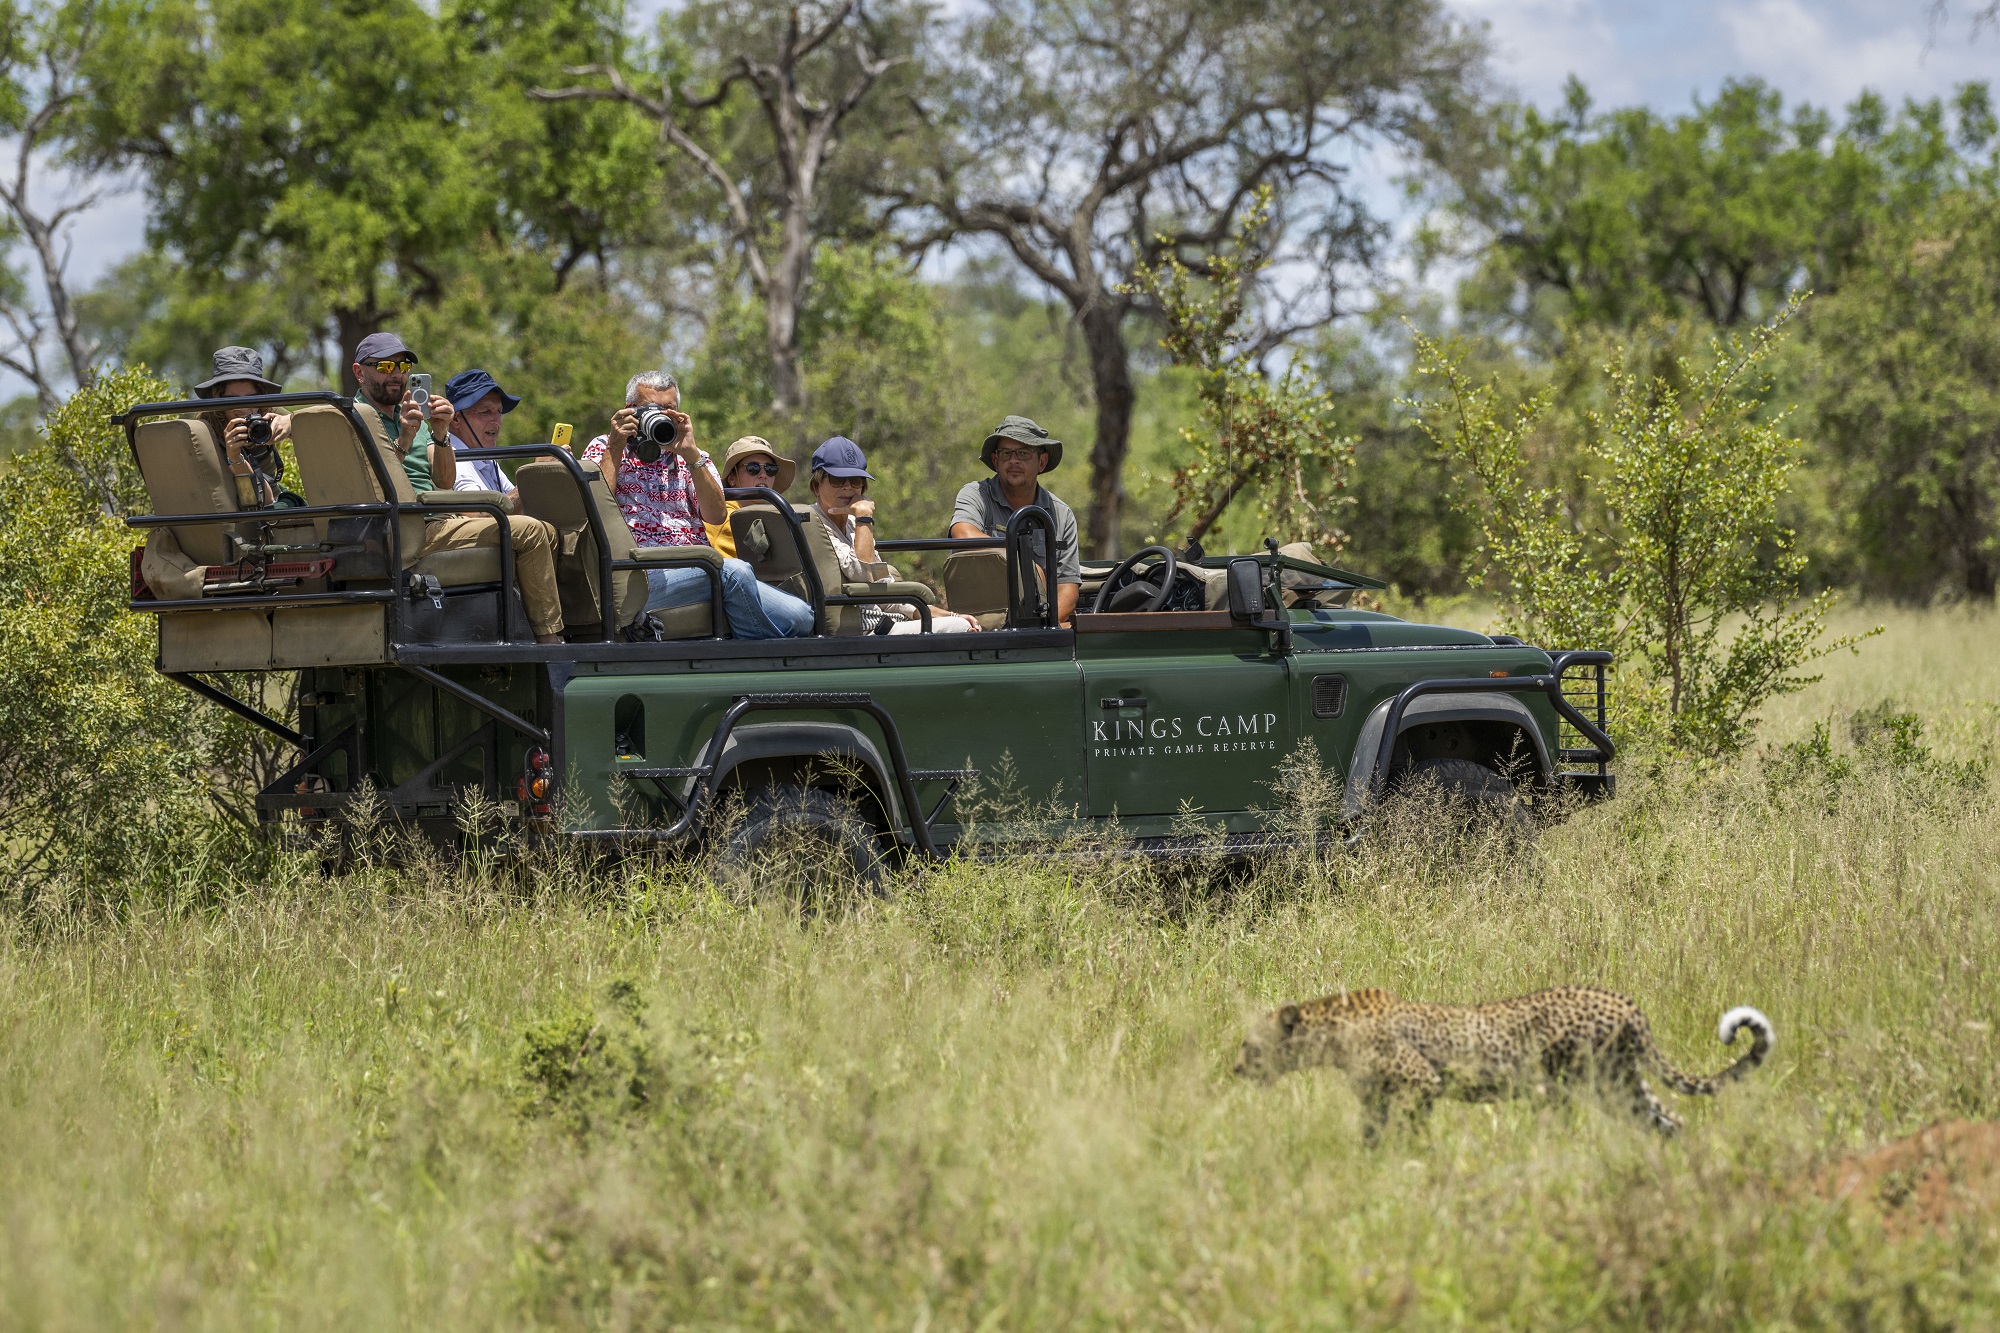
x=1021, y=430
x=237, y=363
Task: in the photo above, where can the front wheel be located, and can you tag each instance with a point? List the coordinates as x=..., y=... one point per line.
x=1472, y=794
x=804, y=844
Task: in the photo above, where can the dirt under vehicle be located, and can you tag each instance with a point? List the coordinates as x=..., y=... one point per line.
x=1182, y=686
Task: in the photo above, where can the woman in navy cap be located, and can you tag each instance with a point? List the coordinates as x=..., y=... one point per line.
x=839, y=484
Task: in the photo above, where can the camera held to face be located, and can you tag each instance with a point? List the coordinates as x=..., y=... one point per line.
x=655, y=431
x=258, y=429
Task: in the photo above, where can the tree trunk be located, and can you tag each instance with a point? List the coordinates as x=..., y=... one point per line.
x=1111, y=384
x=781, y=344
x=353, y=326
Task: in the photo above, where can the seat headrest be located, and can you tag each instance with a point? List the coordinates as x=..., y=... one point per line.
x=185, y=474
x=333, y=462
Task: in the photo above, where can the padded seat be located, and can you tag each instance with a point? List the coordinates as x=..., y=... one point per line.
x=847, y=619
x=185, y=474
x=548, y=491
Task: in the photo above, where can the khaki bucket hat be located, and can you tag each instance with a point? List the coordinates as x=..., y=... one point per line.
x=1021, y=430
x=757, y=444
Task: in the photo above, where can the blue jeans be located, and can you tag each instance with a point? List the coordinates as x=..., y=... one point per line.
x=754, y=611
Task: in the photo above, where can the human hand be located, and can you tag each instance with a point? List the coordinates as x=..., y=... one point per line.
x=441, y=415
x=411, y=416
x=624, y=425
x=281, y=426
x=862, y=508
x=237, y=433
x=684, y=444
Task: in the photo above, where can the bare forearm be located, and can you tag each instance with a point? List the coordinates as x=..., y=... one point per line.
x=1066, y=594
x=444, y=467
x=708, y=494
x=967, y=530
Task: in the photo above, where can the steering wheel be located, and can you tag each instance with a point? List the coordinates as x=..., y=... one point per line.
x=1138, y=596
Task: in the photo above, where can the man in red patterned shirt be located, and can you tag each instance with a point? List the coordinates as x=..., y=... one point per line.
x=667, y=501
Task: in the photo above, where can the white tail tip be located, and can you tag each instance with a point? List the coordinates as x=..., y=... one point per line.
x=1743, y=1016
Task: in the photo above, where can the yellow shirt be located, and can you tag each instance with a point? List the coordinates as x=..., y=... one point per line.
x=720, y=535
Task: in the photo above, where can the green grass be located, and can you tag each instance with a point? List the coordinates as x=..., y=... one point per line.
x=1001, y=1098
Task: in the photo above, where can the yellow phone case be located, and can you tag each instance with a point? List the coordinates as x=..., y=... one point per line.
x=560, y=439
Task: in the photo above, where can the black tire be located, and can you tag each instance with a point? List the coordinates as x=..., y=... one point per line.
x=1473, y=795
x=802, y=844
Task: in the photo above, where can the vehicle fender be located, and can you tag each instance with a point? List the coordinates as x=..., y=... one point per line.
x=790, y=740
x=1429, y=708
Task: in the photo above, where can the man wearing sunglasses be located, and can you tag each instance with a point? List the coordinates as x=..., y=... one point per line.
x=382, y=366
x=418, y=435
x=1019, y=452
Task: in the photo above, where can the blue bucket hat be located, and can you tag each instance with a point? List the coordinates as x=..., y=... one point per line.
x=841, y=457
x=469, y=386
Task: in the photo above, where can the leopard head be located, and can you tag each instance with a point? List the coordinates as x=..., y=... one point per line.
x=1299, y=1036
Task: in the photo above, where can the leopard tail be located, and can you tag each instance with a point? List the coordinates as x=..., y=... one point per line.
x=1762, y=1037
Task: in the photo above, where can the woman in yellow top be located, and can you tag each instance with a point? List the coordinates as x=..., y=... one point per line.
x=751, y=461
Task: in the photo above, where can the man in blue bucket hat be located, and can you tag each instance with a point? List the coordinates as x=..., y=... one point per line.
x=478, y=402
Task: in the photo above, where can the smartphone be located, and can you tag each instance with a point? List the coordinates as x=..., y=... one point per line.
x=560, y=436
x=420, y=389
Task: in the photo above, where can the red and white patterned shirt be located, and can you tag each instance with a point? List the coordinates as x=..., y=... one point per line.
x=658, y=499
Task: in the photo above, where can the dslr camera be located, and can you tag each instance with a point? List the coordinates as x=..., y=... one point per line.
x=656, y=431
x=259, y=428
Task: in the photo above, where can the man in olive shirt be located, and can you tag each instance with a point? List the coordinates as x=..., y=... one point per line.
x=381, y=367
x=1019, y=452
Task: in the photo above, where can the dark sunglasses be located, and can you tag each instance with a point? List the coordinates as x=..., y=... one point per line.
x=758, y=469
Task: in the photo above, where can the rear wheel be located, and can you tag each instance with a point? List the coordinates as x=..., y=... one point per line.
x=803, y=844
x=1472, y=795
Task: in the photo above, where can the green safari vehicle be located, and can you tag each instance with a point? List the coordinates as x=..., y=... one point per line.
x=1179, y=691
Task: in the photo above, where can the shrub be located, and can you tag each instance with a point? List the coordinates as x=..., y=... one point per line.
x=100, y=755
x=1682, y=567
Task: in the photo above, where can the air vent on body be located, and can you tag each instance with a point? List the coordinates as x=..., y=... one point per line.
x=1329, y=695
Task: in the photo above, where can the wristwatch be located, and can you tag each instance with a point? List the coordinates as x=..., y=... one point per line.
x=867, y=520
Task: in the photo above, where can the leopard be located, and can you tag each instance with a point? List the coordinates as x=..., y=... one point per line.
x=1402, y=1055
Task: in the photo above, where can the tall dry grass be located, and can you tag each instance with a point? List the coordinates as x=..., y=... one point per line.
x=1000, y=1098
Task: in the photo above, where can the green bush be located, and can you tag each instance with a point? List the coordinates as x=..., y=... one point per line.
x=1674, y=556
x=103, y=762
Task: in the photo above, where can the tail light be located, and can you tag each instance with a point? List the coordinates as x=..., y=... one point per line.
x=537, y=783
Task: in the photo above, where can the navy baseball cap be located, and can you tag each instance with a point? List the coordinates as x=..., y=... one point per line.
x=469, y=386
x=841, y=457
x=382, y=347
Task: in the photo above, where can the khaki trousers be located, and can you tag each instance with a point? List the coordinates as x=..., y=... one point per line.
x=534, y=558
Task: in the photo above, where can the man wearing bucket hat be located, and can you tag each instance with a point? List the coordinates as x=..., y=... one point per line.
x=1019, y=452
x=259, y=469
x=477, y=403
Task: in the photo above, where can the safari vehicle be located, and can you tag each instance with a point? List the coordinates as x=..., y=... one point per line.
x=1181, y=688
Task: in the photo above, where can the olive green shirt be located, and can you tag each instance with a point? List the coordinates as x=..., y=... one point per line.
x=417, y=462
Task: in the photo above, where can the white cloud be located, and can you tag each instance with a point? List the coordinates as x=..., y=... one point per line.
x=1538, y=44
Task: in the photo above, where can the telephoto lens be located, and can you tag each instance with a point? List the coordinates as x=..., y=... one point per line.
x=656, y=431
x=259, y=428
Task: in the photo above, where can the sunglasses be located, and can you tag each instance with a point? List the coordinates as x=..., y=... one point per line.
x=389, y=367
x=758, y=469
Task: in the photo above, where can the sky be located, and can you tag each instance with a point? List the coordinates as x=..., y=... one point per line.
x=1662, y=53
